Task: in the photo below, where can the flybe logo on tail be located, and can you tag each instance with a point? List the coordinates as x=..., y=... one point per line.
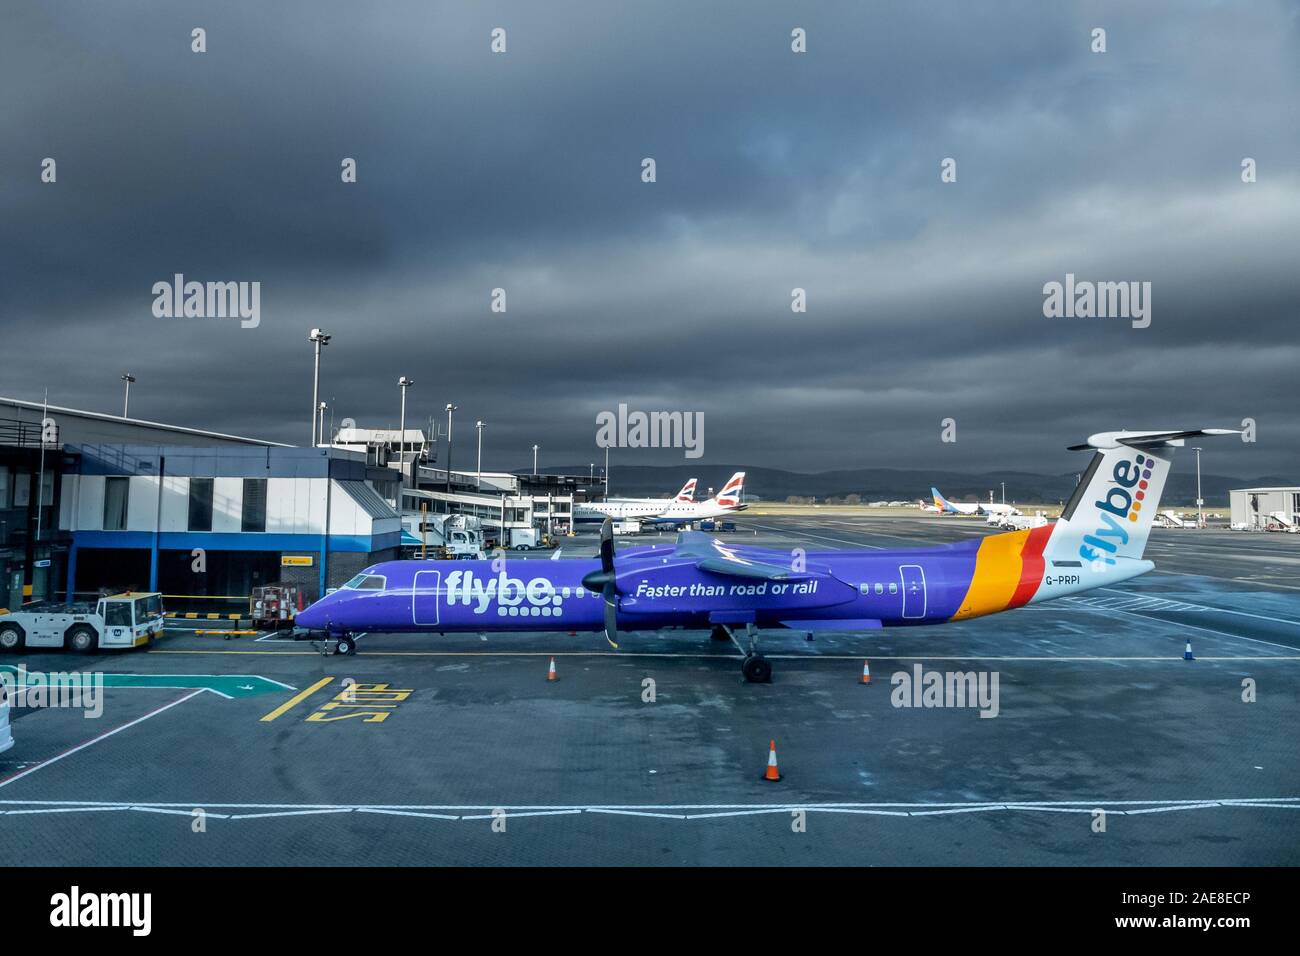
x=1124, y=501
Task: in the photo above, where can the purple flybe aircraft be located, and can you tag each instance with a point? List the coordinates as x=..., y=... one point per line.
x=701, y=582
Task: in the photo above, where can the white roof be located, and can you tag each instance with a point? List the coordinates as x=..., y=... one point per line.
x=372, y=436
x=101, y=416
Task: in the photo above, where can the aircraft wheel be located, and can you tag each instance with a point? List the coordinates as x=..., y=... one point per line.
x=757, y=669
x=346, y=645
x=719, y=634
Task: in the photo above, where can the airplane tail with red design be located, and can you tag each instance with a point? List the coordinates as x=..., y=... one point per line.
x=687, y=494
x=732, y=491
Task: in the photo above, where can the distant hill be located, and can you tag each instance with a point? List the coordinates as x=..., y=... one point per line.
x=873, y=484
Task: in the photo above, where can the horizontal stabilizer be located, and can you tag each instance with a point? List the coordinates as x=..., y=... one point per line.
x=1148, y=439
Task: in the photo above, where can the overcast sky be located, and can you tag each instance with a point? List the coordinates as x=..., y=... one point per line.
x=775, y=170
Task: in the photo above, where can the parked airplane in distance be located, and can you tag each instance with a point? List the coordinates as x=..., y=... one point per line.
x=621, y=509
x=943, y=505
x=683, y=509
x=702, y=582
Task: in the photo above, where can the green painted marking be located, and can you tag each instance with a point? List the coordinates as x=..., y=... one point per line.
x=227, y=685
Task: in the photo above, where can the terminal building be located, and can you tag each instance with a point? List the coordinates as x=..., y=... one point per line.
x=504, y=503
x=201, y=522
x=34, y=439
x=1254, y=509
x=199, y=515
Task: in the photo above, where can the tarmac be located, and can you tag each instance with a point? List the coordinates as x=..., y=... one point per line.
x=1107, y=748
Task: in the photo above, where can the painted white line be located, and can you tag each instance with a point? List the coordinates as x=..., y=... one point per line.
x=95, y=740
x=65, y=810
x=526, y=813
x=408, y=813
x=290, y=813
x=579, y=808
x=1026, y=806
x=1224, y=610
x=179, y=813
x=748, y=813
x=935, y=813
x=638, y=813
x=1191, y=806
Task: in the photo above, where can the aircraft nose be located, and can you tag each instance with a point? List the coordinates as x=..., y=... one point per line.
x=313, y=617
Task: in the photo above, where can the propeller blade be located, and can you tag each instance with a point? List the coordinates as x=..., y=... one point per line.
x=606, y=580
x=607, y=546
x=611, y=614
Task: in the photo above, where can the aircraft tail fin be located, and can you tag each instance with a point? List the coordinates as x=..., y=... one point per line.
x=1110, y=514
x=687, y=494
x=730, y=495
x=940, y=501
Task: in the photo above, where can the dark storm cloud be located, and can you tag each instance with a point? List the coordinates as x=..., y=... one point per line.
x=775, y=171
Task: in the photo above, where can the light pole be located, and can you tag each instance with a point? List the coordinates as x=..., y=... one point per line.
x=606, y=471
x=591, y=474
x=535, y=447
x=126, y=404
x=450, y=408
x=403, y=383
x=478, y=468
x=1004, y=492
x=1200, y=502
x=321, y=428
x=320, y=338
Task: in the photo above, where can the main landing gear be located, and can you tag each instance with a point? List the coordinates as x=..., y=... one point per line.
x=756, y=668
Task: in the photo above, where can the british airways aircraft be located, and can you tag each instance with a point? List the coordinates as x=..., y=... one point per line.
x=701, y=582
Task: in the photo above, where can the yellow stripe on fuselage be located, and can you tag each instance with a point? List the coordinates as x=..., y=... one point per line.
x=997, y=574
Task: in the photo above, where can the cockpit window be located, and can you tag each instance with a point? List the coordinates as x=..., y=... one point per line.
x=367, y=582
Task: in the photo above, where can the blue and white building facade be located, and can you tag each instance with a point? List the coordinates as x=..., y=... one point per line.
x=222, y=520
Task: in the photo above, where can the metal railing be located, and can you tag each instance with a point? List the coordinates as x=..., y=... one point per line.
x=23, y=434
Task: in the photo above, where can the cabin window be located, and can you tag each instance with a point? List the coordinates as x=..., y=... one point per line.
x=117, y=614
x=893, y=587
x=864, y=588
x=880, y=588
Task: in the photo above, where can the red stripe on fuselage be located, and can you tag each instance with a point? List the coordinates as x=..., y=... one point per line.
x=1031, y=565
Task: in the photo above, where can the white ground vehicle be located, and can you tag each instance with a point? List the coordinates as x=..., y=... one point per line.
x=1018, y=522
x=456, y=536
x=130, y=619
x=627, y=527
x=525, y=539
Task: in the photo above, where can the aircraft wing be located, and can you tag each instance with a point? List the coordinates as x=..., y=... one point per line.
x=714, y=556
x=744, y=568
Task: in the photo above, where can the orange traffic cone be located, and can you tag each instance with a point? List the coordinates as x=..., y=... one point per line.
x=866, y=672
x=772, y=773
x=550, y=674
